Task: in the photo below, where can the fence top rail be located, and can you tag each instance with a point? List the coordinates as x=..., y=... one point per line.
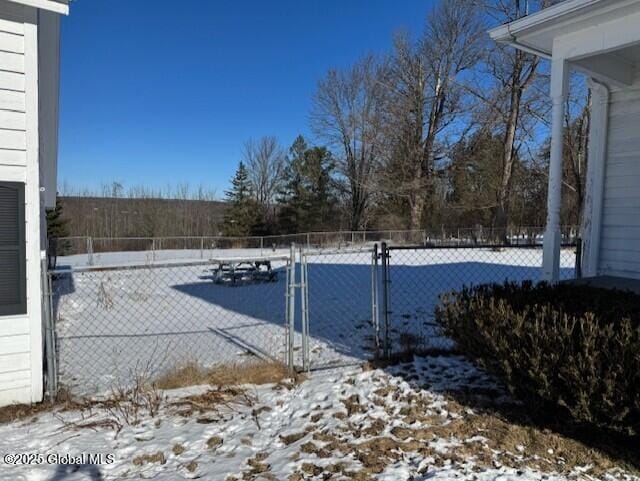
x=131, y=266
x=166, y=264
x=220, y=260
x=323, y=252
x=470, y=246
x=433, y=231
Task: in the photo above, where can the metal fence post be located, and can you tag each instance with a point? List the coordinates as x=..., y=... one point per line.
x=291, y=306
x=287, y=312
x=374, y=298
x=201, y=247
x=90, y=250
x=385, y=298
x=578, y=261
x=304, y=300
x=47, y=308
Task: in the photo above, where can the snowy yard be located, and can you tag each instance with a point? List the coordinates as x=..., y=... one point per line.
x=111, y=322
x=413, y=421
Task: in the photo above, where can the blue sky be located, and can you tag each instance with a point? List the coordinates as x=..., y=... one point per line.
x=163, y=92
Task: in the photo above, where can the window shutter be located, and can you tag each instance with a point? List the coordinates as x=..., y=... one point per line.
x=13, y=280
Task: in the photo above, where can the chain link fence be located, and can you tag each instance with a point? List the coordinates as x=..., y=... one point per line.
x=414, y=278
x=306, y=307
x=109, y=251
x=110, y=322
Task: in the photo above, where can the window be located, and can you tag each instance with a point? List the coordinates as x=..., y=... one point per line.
x=13, y=278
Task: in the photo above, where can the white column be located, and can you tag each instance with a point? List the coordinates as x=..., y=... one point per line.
x=552, y=237
x=592, y=215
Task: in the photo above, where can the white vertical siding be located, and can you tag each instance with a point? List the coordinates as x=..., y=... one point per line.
x=21, y=336
x=620, y=242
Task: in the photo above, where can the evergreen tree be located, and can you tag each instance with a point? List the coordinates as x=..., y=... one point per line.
x=293, y=196
x=56, y=223
x=242, y=212
x=307, y=197
x=57, y=229
x=319, y=167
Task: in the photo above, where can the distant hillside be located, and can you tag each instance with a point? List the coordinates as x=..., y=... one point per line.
x=131, y=217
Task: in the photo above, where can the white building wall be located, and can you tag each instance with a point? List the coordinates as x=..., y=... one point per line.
x=21, y=336
x=620, y=233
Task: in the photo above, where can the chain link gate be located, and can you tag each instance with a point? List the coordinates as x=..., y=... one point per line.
x=339, y=307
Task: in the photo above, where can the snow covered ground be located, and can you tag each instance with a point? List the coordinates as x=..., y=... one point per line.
x=396, y=424
x=111, y=322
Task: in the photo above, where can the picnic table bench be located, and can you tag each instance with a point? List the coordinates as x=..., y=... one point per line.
x=233, y=271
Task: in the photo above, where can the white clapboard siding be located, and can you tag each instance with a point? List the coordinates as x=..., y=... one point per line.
x=15, y=379
x=620, y=242
x=13, y=157
x=11, y=81
x=622, y=181
x=12, y=100
x=9, y=26
x=14, y=344
x=20, y=335
x=12, y=327
x=622, y=217
x=610, y=244
x=13, y=139
x=12, y=62
x=12, y=120
x=15, y=362
x=11, y=42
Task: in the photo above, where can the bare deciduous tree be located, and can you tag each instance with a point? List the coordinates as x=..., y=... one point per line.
x=265, y=160
x=348, y=115
x=513, y=73
x=427, y=96
x=576, y=157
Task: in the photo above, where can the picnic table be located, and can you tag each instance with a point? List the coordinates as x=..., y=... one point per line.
x=234, y=271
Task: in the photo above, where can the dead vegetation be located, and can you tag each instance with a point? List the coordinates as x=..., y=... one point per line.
x=153, y=458
x=17, y=412
x=484, y=437
x=193, y=374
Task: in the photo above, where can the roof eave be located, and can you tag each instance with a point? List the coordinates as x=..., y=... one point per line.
x=509, y=33
x=60, y=7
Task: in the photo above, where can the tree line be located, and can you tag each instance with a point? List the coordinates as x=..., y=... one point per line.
x=116, y=211
x=447, y=128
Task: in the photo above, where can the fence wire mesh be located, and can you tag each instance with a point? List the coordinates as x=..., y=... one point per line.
x=106, y=251
x=310, y=309
x=417, y=277
x=110, y=322
x=341, y=303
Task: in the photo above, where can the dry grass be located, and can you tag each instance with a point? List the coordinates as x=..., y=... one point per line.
x=192, y=374
x=17, y=412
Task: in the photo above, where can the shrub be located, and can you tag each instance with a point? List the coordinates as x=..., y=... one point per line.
x=565, y=350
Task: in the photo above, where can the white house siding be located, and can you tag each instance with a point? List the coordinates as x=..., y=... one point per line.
x=620, y=238
x=21, y=336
